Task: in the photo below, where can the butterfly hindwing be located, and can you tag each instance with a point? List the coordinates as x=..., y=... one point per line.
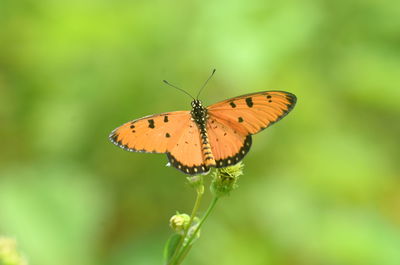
x=254, y=112
x=228, y=145
x=186, y=154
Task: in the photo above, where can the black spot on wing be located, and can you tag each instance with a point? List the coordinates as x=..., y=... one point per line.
x=151, y=123
x=165, y=118
x=249, y=102
x=240, y=119
x=232, y=160
x=132, y=126
x=233, y=105
x=167, y=135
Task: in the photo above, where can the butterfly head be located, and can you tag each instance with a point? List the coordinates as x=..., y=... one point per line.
x=196, y=103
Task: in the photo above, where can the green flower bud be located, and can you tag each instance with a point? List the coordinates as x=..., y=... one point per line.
x=179, y=222
x=224, y=179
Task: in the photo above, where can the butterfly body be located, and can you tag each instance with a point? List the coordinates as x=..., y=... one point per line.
x=199, y=115
x=214, y=136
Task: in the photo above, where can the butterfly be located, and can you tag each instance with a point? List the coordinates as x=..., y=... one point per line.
x=215, y=136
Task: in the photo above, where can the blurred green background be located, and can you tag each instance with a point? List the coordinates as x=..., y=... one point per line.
x=320, y=187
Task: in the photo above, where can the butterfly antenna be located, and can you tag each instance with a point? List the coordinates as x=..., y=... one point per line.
x=168, y=83
x=205, y=83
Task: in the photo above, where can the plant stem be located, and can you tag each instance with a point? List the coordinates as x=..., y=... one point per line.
x=182, y=254
x=200, y=192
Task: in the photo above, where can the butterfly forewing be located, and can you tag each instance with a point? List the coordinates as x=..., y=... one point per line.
x=251, y=113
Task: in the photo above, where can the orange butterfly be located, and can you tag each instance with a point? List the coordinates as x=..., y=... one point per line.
x=215, y=136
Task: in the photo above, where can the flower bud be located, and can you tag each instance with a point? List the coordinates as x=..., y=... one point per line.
x=179, y=222
x=224, y=179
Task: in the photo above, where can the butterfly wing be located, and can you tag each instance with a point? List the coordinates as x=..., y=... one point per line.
x=173, y=133
x=151, y=134
x=186, y=154
x=254, y=112
x=228, y=145
x=232, y=122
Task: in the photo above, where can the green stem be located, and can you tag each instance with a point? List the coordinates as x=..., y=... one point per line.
x=182, y=254
x=200, y=192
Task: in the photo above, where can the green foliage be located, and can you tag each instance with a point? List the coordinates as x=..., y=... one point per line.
x=170, y=246
x=321, y=186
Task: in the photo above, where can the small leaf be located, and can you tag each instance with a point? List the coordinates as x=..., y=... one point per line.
x=171, y=246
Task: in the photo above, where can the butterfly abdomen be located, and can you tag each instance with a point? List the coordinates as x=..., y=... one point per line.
x=208, y=156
